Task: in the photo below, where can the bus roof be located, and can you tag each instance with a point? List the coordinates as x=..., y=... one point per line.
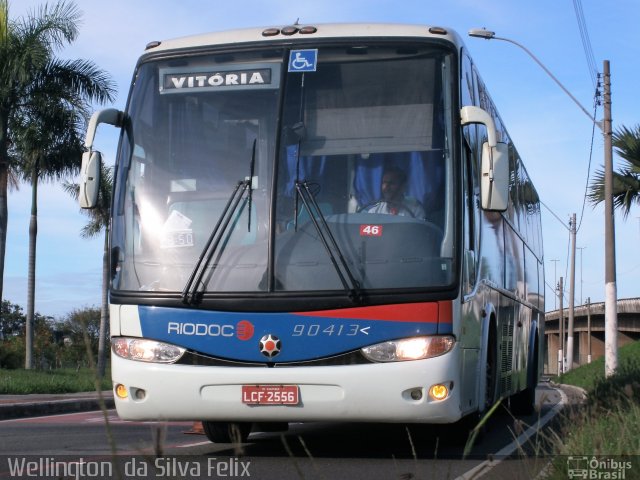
x=302, y=32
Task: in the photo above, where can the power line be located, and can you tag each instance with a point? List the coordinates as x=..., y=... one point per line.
x=554, y=214
x=586, y=42
x=586, y=186
x=554, y=290
x=595, y=79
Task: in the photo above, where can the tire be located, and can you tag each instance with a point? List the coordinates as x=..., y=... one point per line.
x=524, y=402
x=472, y=428
x=227, y=432
x=491, y=371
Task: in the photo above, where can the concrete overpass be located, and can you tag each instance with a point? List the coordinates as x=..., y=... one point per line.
x=588, y=334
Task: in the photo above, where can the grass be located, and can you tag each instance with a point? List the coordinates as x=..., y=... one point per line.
x=62, y=380
x=608, y=424
x=586, y=376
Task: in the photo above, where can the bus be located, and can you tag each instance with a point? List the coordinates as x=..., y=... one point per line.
x=318, y=223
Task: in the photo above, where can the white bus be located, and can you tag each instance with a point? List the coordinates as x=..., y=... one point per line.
x=318, y=222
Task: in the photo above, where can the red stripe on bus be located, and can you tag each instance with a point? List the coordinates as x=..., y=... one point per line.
x=403, y=312
x=445, y=312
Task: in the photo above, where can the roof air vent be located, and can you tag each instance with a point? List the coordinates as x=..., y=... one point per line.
x=308, y=30
x=291, y=30
x=438, y=31
x=270, y=32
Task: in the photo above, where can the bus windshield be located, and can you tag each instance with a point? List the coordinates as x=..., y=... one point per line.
x=276, y=170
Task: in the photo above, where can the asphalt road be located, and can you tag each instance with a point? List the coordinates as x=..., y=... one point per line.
x=306, y=451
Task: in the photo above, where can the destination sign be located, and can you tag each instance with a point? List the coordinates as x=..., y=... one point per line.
x=188, y=81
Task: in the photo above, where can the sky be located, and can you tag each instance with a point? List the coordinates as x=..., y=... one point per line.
x=552, y=135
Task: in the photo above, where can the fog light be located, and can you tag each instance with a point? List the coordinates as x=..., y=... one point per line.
x=121, y=391
x=416, y=394
x=438, y=392
x=140, y=394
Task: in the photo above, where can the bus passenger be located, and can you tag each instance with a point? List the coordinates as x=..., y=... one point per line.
x=393, y=200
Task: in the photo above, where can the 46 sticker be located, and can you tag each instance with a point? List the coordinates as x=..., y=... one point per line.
x=370, y=230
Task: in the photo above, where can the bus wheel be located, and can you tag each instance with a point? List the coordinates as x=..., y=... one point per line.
x=491, y=372
x=227, y=432
x=524, y=402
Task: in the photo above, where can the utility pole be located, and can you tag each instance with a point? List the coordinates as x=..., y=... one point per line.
x=572, y=288
x=588, y=329
x=581, y=249
x=555, y=280
x=561, y=330
x=611, y=294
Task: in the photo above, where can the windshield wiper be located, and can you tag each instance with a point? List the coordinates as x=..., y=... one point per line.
x=190, y=290
x=252, y=167
x=217, y=234
x=350, y=284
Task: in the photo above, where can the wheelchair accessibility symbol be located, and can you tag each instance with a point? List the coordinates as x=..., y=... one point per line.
x=303, y=60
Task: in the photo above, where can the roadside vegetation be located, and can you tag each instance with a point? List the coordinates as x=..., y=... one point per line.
x=607, y=425
x=65, y=351
x=61, y=380
x=588, y=376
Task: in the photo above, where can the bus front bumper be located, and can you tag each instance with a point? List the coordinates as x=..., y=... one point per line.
x=381, y=392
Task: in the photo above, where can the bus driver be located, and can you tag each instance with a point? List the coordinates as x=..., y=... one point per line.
x=393, y=200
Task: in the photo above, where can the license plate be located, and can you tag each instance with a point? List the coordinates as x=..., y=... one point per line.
x=270, y=394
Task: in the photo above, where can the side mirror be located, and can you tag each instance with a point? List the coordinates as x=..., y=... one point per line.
x=494, y=180
x=92, y=160
x=90, y=179
x=494, y=177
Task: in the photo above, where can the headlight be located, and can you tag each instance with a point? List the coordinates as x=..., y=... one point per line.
x=415, y=348
x=146, y=350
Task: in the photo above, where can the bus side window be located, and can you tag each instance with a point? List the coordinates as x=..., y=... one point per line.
x=471, y=219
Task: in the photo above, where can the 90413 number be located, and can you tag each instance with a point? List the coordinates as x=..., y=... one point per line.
x=314, y=330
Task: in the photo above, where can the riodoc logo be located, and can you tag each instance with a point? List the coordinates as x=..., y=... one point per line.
x=243, y=330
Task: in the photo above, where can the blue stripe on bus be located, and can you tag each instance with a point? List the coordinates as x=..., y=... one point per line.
x=236, y=336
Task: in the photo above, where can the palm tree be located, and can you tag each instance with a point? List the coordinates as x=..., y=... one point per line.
x=626, y=180
x=50, y=147
x=98, y=221
x=23, y=47
x=44, y=113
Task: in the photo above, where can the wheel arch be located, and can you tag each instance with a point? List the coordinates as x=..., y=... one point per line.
x=489, y=330
x=533, y=358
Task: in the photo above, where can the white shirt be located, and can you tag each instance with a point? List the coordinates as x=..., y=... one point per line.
x=409, y=207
